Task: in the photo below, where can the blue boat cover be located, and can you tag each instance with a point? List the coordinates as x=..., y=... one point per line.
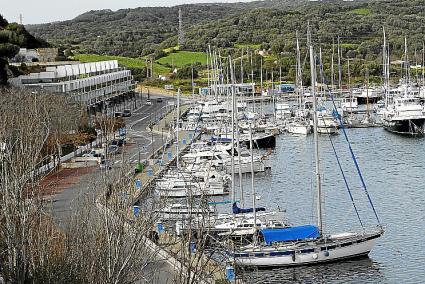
x=290, y=234
x=237, y=210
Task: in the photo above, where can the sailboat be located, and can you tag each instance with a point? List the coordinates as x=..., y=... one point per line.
x=307, y=244
x=300, y=123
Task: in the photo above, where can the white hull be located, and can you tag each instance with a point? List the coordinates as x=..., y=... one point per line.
x=327, y=130
x=299, y=129
x=197, y=192
x=259, y=166
x=307, y=255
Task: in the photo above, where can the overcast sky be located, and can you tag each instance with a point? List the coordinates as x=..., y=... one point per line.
x=44, y=11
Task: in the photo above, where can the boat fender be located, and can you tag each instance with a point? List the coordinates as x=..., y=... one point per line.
x=293, y=256
x=315, y=256
x=327, y=253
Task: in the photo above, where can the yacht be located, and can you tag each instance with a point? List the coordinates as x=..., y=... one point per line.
x=349, y=104
x=192, y=184
x=405, y=115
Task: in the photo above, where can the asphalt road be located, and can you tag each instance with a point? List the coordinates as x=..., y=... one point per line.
x=79, y=188
x=64, y=202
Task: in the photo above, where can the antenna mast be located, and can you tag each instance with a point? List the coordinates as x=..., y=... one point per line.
x=181, y=32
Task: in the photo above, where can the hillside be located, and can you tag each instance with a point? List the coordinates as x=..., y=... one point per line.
x=12, y=37
x=137, y=32
x=267, y=25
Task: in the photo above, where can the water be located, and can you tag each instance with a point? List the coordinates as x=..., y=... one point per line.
x=394, y=170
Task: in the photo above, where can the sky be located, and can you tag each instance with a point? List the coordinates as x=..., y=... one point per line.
x=45, y=11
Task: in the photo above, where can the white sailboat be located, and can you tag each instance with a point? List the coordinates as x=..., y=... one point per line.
x=298, y=127
x=304, y=245
x=300, y=123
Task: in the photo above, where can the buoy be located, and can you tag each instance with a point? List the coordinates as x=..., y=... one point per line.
x=315, y=256
x=326, y=253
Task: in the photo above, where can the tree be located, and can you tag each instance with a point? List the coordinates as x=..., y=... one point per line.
x=99, y=245
x=3, y=22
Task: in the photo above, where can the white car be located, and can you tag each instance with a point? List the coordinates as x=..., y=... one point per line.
x=148, y=102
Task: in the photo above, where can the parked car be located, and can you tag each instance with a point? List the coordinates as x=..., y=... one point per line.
x=121, y=142
x=126, y=113
x=105, y=164
x=159, y=100
x=113, y=149
x=148, y=102
x=94, y=153
x=118, y=114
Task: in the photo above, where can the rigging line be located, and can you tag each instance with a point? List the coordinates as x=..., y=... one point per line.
x=352, y=152
x=345, y=180
x=354, y=159
x=342, y=171
x=350, y=148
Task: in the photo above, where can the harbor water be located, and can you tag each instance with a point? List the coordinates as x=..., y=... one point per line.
x=393, y=168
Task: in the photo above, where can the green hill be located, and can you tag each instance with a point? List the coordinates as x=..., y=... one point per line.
x=266, y=25
x=12, y=37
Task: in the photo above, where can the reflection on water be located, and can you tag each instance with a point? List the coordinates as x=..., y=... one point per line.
x=394, y=170
x=362, y=270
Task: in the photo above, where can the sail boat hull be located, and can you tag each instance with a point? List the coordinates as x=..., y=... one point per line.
x=299, y=129
x=308, y=255
x=406, y=127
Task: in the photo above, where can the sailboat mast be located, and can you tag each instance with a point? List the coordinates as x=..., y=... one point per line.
x=349, y=86
x=253, y=88
x=208, y=73
x=299, y=75
x=316, y=139
x=178, y=126
x=339, y=69
x=239, y=157
x=242, y=66
x=406, y=63
x=423, y=66
x=233, y=130
x=384, y=61
x=332, y=66
x=252, y=181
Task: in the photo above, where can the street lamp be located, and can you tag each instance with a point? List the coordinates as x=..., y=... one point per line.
x=138, y=150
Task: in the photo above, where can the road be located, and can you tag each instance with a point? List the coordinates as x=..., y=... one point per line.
x=64, y=201
x=72, y=187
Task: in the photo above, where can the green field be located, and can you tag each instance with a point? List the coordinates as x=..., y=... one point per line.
x=252, y=46
x=123, y=61
x=361, y=11
x=182, y=58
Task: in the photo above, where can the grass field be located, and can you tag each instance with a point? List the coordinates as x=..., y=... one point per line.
x=361, y=11
x=124, y=61
x=182, y=58
x=252, y=46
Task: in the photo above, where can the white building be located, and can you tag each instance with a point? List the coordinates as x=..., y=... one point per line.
x=38, y=54
x=91, y=83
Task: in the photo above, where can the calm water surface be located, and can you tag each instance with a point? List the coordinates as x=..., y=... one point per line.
x=394, y=171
